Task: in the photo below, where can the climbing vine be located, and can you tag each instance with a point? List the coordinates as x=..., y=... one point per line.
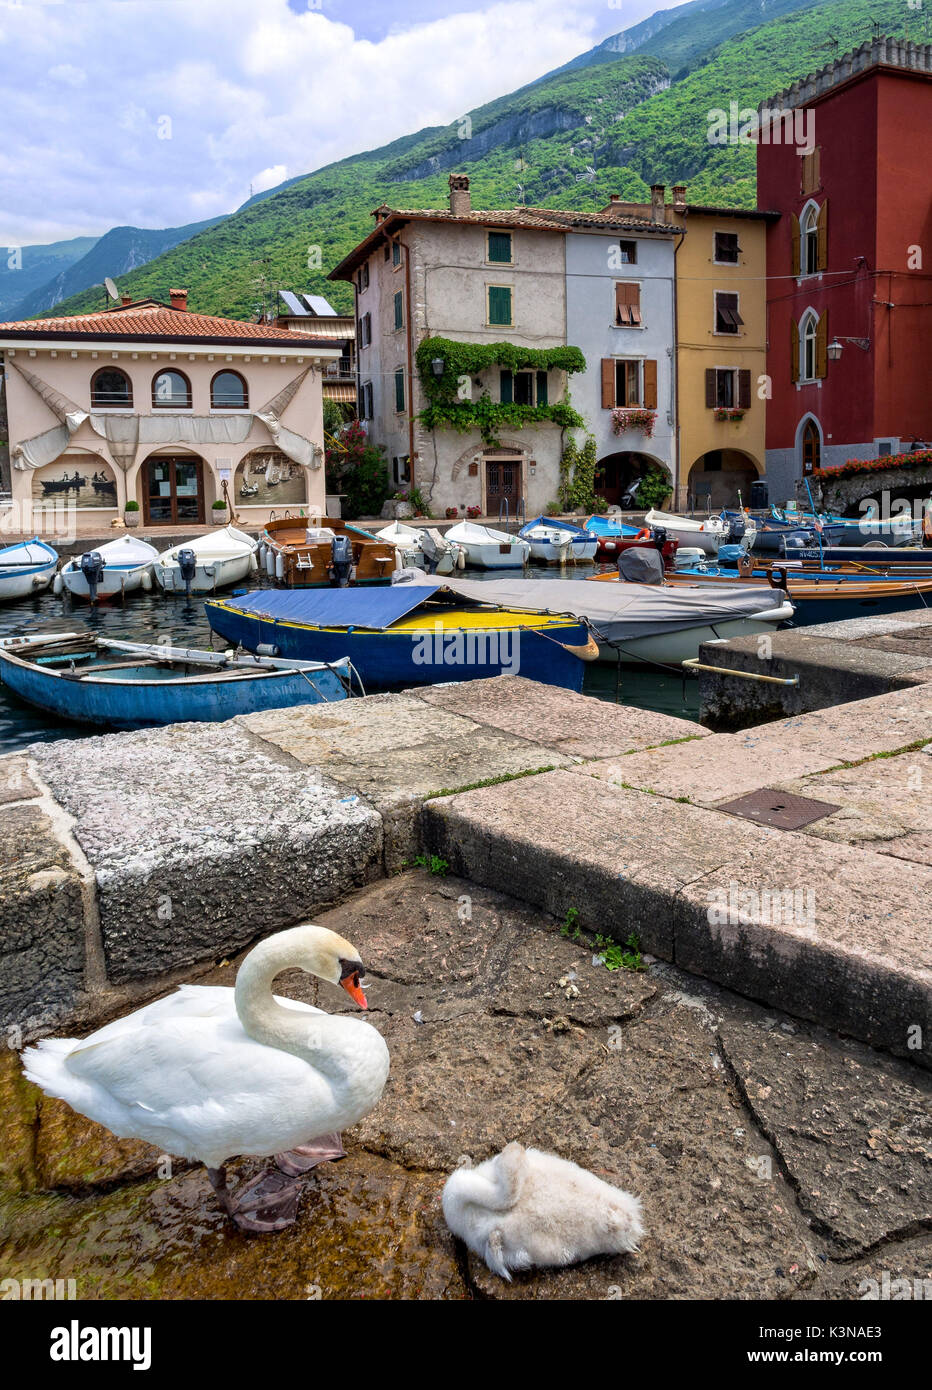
x=450, y=395
x=577, y=476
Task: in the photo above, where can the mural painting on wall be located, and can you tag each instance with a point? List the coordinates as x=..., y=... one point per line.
x=84, y=480
x=267, y=477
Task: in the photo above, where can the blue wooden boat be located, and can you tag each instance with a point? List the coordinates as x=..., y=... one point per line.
x=408, y=634
x=87, y=679
x=26, y=568
x=559, y=542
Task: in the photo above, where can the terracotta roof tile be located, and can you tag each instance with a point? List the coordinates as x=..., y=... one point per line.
x=147, y=318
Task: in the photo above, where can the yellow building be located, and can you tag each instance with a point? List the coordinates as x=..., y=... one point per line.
x=721, y=268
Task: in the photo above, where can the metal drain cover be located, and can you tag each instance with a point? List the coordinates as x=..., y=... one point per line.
x=780, y=809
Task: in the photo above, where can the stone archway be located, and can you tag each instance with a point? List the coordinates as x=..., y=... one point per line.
x=718, y=476
x=617, y=474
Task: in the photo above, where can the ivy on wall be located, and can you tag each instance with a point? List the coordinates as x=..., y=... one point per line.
x=449, y=395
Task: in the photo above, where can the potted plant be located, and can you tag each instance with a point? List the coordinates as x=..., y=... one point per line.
x=452, y=513
x=218, y=512
x=473, y=512
x=131, y=513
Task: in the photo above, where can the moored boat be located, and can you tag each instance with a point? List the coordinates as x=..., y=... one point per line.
x=708, y=532
x=423, y=548
x=559, y=542
x=88, y=679
x=822, y=595
x=305, y=555
x=488, y=549
x=411, y=634
x=111, y=571
x=207, y=563
x=26, y=568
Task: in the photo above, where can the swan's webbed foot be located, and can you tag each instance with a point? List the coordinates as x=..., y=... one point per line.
x=301, y=1159
x=267, y=1203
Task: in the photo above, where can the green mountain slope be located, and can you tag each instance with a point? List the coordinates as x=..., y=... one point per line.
x=568, y=141
x=38, y=264
x=120, y=250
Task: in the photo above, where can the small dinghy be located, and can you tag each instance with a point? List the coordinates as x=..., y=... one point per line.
x=708, y=533
x=490, y=550
x=423, y=548
x=110, y=571
x=26, y=568
x=559, y=542
x=207, y=563
x=133, y=685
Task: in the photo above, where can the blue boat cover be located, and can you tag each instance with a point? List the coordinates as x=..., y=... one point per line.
x=375, y=608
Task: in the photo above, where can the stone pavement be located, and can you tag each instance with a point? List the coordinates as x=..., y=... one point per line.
x=774, y=1159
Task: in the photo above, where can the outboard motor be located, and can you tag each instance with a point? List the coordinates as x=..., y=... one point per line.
x=92, y=567
x=737, y=530
x=658, y=535
x=641, y=566
x=341, y=561
x=187, y=568
x=431, y=552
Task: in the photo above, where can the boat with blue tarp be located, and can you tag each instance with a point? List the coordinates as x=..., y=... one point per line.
x=408, y=634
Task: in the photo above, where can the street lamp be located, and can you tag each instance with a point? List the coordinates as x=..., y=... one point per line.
x=437, y=365
x=835, y=347
x=834, y=350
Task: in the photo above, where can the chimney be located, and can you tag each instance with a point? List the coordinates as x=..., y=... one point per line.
x=179, y=298
x=657, y=198
x=460, y=198
x=126, y=299
x=679, y=197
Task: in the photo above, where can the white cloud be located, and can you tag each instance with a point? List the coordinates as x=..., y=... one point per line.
x=184, y=101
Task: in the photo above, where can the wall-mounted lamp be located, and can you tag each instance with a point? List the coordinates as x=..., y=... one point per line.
x=836, y=346
x=437, y=365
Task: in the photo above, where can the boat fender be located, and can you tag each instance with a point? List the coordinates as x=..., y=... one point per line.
x=279, y=567
x=267, y=649
x=92, y=568
x=187, y=567
x=146, y=582
x=58, y=583
x=270, y=563
x=253, y=563
x=461, y=558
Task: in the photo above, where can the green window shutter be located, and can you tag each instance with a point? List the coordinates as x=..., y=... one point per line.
x=500, y=247
x=399, y=310
x=541, y=388
x=506, y=392
x=400, y=389
x=500, y=304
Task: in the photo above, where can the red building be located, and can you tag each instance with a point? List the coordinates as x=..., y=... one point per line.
x=849, y=262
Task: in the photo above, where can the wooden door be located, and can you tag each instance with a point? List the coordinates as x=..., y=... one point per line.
x=502, y=485
x=174, y=491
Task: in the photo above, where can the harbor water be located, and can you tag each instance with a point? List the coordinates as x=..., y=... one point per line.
x=155, y=617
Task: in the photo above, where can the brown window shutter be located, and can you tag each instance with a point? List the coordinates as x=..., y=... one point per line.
x=710, y=388
x=794, y=232
x=822, y=225
x=816, y=167
x=744, y=389
x=794, y=349
x=822, y=346
x=650, y=384
x=608, y=383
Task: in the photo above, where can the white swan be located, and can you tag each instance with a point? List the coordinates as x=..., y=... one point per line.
x=211, y=1072
x=524, y=1208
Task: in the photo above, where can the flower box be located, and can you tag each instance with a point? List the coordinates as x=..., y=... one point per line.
x=728, y=413
x=634, y=418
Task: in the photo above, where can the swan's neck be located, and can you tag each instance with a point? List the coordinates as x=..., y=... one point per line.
x=306, y=1035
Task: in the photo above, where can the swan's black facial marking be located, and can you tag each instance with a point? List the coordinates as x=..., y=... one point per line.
x=350, y=971
x=351, y=967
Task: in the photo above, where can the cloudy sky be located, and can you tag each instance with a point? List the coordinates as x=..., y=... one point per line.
x=161, y=112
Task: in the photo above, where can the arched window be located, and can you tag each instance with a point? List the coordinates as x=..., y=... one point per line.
x=808, y=341
x=812, y=446
x=111, y=389
x=810, y=242
x=228, y=392
x=171, y=390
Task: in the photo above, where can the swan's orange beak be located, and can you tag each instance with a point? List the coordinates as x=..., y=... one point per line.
x=353, y=988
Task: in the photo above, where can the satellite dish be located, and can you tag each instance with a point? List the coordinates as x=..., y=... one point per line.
x=111, y=288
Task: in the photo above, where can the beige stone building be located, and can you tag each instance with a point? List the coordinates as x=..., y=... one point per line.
x=158, y=404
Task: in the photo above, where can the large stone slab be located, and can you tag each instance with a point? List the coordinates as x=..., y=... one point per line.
x=41, y=922
x=395, y=750
x=561, y=719
x=202, y=840
x=881, y=800
x=828, y=933
x=728, y=765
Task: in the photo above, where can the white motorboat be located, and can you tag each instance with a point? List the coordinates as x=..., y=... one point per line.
x=207, y=563
x=112, y=570
x=708, y=532
x=487, y=549
x=559, y=542
x=26, y=568
x=423, y=548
